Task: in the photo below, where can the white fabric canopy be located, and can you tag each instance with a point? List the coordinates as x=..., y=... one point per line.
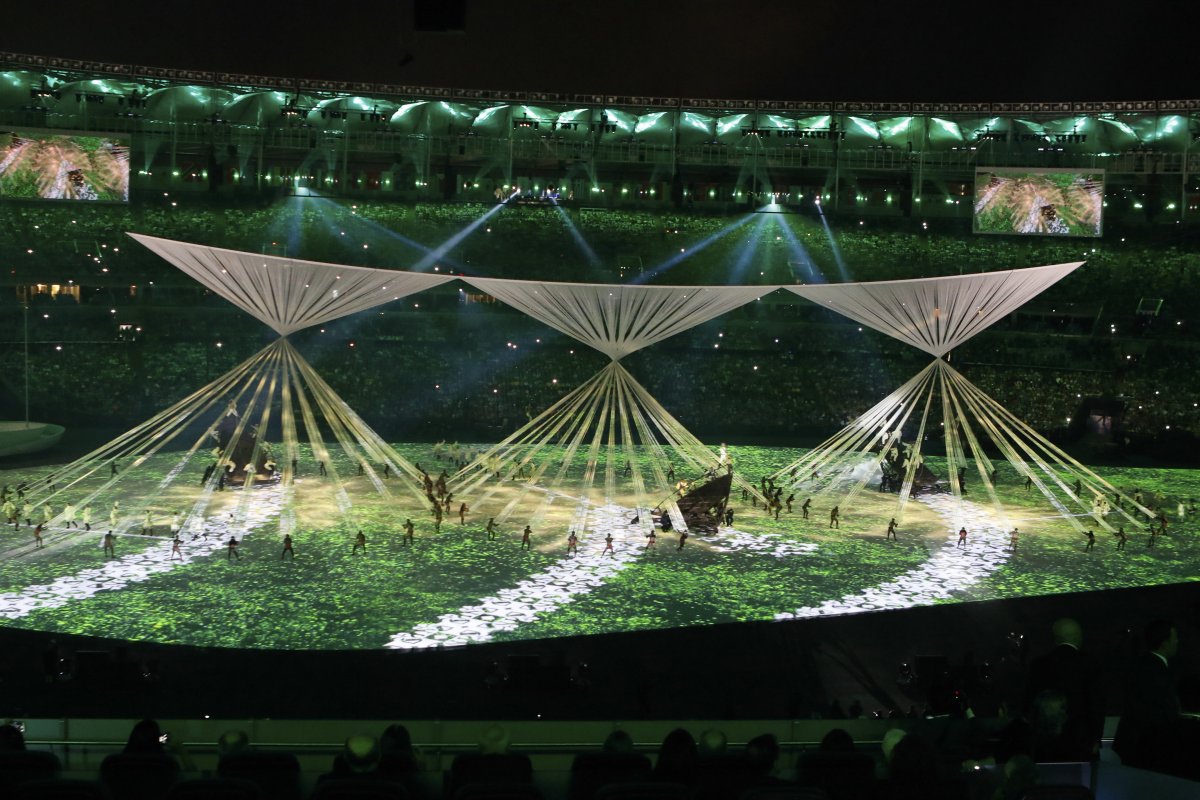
x=618, y=319
x=285, y=293
x=937, y=314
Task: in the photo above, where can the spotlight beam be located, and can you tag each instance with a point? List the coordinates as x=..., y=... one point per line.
x=588, y=253
x=675, y=259
x=438, y=253
x=747, y=253
x=814, y=274
x=833, y=245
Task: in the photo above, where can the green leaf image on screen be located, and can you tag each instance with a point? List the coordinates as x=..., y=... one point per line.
x=1042, y=203
x=64, y=167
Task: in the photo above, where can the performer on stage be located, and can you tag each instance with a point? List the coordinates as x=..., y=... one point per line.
x=69, y=516
x=526, y=543
x=37, y=536
x=287, y=547
x=572, y=544
x=962, y=537
x=360, y=542
x=652, y=540
x=835, y=518
x=682, y=540
x=233, y=550
x=608, y=546
x=408, y=531
x=1013, y=537
x=86, y=515
x=462, y=514
x=491, y=529
x=891, y=531
x=175, y=551
x=1091, y=544
x=110, y=545
x=804, y=507
x=1121, y=538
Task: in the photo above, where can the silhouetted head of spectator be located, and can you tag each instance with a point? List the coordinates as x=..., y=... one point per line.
x=1067, y=631
x=395, y=741
x=361, y=754
x=494, y=740
x=11, y=738
x=232, y=743
x=144, y=738
x=762, y=752
x=1162, y=638
x=618, y=742
x=712, y=743
x=838, y=740
x=677, y=755
x=914, y=760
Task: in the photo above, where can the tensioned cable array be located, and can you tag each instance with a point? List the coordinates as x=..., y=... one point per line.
x=575, y=449
x=936, y=315
x=608, y=441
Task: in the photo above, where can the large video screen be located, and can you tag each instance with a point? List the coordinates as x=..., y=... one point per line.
x=1039, y=202
x=64, y=166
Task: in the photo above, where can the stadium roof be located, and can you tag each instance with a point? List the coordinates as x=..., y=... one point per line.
x=756, y=49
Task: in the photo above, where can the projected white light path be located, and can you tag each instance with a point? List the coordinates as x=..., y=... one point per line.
x=952, y=569
x=571, y=578
x=558, y=584
x=137, y=567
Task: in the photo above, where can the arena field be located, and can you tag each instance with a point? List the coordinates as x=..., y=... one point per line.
x=458, y=586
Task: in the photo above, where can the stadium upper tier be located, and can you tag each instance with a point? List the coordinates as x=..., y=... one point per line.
x=188, y=106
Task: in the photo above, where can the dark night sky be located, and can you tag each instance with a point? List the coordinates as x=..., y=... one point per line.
x=766, y=49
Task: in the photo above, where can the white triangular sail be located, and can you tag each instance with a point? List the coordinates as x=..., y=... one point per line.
x=286, y=293
x=619, y=319
x=936, y=314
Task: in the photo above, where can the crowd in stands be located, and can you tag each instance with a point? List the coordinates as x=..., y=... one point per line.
x=407, y=371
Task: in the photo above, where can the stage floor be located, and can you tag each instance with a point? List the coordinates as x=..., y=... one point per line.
x=456, y=586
